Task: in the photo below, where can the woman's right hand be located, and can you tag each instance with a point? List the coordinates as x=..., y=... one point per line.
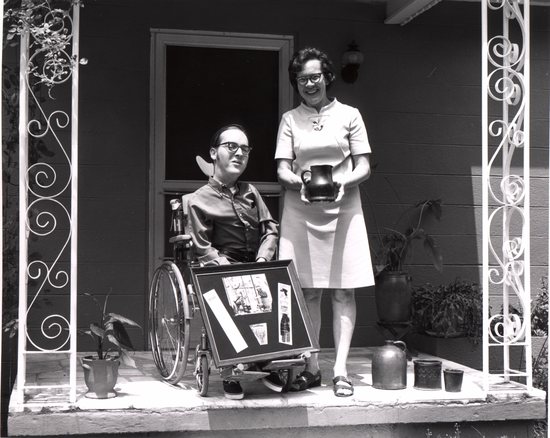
x=303, y=195
x=288, y=179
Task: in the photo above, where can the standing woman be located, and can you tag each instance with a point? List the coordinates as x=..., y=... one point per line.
x=327, y=241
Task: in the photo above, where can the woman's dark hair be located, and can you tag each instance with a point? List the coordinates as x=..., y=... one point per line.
x=214, y=141
x=298, y=60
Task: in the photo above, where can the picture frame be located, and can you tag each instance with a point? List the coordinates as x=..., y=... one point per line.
x=253, y=312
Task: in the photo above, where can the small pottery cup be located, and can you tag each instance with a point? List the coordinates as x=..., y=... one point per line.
x=453, y=379
x=427, y=374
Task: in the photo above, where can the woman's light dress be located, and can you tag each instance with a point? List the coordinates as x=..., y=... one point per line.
x=327, y=241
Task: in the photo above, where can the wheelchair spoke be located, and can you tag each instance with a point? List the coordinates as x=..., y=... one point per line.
x=168, y=322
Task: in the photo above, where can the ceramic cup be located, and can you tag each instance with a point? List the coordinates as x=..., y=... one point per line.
x=453, y=379
x=427, y=374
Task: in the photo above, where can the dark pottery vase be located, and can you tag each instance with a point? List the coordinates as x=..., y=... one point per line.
x=389, y=366
x=319, y=184
x=393, y=295
x=100, y=376
x=427, y=374
x=453, y=379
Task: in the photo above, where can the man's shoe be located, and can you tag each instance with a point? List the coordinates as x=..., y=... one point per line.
x=273, y=382
x=232, y=390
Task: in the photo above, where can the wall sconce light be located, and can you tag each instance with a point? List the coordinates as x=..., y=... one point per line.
x=351, y=61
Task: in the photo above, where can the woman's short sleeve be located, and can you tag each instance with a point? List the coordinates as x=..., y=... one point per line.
x=358, y=138
x=285, y=142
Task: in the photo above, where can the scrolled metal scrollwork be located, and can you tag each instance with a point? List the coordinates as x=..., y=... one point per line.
x=50, y=64
x=507, y=187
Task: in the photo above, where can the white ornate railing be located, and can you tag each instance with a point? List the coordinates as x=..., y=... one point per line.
x=48, y=201
x=506, y=202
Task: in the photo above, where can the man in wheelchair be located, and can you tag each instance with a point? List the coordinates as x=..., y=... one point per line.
x=229, y=221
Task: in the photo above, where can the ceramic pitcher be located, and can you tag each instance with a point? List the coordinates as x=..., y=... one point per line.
x=319, y=184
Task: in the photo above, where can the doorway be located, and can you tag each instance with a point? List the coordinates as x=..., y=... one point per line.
x=201, y=81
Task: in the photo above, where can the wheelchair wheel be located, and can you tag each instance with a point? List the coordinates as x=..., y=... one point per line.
x=202, y=374
x=169, y=322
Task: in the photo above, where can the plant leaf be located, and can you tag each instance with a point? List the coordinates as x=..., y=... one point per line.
x=97, y=330
x=120, y=333
x=112, y=338
x=126, y=359
x=433, y=249
x=122, y=319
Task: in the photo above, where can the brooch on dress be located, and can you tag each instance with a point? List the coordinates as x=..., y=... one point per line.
x=317, y=125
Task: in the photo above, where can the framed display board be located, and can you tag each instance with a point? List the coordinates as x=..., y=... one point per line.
x=253, y=312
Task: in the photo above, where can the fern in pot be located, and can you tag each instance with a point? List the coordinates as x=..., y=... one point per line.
x=448, y=311
x=112, y=344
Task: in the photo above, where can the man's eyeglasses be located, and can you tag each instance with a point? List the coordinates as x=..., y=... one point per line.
x=232, y=147
x=315, y=79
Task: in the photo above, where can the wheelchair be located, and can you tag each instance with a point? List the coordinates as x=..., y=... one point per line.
x=173, y=304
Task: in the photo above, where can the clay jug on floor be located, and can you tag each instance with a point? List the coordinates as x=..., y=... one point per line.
x=319, y=184
x=389, y=366
x=393, y=294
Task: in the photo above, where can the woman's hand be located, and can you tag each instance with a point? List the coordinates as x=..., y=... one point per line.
x=303, y=195
x=339, y=190
x=288, y=179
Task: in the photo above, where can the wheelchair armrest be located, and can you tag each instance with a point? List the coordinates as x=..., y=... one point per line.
x=180, y=238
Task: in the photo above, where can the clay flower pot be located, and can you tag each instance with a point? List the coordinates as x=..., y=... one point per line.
x=453, y=379
x=100, y=376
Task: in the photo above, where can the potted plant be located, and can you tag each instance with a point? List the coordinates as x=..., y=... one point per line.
x=393, y=283
x=448, y=321
x=539, y=336
x=448, y=311
x=112, y=345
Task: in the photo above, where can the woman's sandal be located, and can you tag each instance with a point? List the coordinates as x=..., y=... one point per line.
x=306, y=380
x=342, y=386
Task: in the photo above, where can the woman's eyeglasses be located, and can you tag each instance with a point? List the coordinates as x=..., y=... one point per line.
x=315, y=79
x=232, y=147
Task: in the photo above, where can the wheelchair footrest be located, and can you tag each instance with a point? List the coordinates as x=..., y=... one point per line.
x=284, y=363
x=242, y=376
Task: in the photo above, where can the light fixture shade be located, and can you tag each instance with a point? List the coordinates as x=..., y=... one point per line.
x=352, y=56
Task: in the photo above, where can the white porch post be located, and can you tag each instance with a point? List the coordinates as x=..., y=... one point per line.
x=43, y=192
x=23, y=203
x=506, y=192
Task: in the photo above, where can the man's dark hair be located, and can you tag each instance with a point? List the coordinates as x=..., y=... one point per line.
x=215, y=140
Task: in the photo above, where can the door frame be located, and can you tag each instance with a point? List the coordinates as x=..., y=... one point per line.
x=159, y=186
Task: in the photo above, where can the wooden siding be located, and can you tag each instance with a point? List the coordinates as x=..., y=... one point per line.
x=418, y=91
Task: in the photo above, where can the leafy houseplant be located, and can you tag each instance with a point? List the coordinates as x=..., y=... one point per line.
x=447, y=311
x=396, y=246
x=539, y=328
x=393, y=285
x=112, y=346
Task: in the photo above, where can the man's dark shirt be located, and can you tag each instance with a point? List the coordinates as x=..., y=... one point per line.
x=236, y=222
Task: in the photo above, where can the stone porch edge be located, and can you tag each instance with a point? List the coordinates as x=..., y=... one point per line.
x=77, y=422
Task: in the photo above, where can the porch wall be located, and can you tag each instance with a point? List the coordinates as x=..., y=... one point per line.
x=418, y=91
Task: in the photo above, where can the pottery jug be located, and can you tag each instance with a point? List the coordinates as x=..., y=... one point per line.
x=389, y=366
x=319, y=184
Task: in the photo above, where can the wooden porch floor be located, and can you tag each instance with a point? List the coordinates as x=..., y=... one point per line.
x=145, y=406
